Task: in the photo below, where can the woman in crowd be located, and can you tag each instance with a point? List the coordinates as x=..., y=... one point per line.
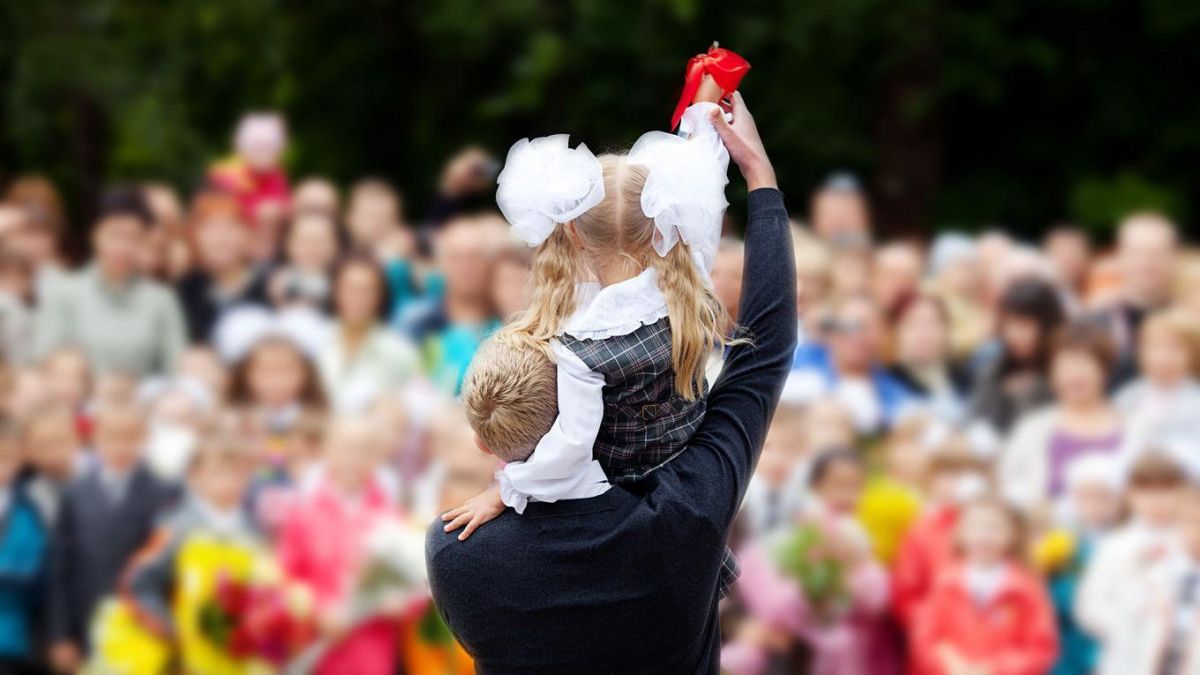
x=1011, y=377
x=923, y=356
x=1082, y=422
x=363, y=359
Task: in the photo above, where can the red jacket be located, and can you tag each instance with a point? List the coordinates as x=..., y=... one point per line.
x=1013, y=634
x=928, y=547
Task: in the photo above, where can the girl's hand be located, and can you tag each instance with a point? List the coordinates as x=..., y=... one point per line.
x=745, y=146
x=478, y=510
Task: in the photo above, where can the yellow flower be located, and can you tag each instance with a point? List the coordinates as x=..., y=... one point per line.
x=886, y=510
x=1054, y=550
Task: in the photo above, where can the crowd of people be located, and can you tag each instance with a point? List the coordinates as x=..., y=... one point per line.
x=983, y=460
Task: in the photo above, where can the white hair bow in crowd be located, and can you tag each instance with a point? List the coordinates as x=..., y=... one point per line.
x=545, y=183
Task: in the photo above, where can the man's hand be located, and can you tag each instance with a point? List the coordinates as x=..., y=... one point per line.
x=65, y=657
x=745, y=146
x=477, y=511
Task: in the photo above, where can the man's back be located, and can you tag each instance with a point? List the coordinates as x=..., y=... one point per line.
x=588, y=577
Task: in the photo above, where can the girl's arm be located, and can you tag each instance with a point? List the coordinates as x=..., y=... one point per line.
x=561, y=467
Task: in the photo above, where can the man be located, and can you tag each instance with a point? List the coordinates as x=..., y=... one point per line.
x=449, y=327
x=622, y=581
x=1147, y=249
x=839, y=213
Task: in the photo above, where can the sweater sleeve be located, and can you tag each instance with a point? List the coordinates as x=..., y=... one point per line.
x=725, y=448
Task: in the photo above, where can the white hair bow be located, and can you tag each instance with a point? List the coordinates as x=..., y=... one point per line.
x=545, y=183
x=685, y=187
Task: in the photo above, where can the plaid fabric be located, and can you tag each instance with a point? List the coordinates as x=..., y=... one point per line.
x=730, y=571
x=646, y=422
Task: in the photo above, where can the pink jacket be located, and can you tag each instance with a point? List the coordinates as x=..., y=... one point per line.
x=322, y=545
x=842, y=647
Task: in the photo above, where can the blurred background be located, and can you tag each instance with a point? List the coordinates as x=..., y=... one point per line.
x=1004, y=112
x=248, y=250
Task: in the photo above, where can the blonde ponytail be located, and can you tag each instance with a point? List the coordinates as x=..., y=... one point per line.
x=699, y=324
x=556, y=269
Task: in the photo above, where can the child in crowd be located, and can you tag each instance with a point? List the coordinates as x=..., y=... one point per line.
x=277, y=383
x=68, y=379
x=204, y=366
x=51, y=450
x=839, y=636
x=892, y=498
x=955, y=477
x=289, y=463
x=24, y=544
x=1125, y=560
x=1162, y=405
x=322, y=544
x=1160, y=626
x=631, y=349
x=206, y=536
x=773, y=498
x=1090, y=509
x=312, y=243
x=988, y=613
x=105, y=516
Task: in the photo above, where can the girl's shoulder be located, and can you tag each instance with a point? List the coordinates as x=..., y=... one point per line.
x=618, y=309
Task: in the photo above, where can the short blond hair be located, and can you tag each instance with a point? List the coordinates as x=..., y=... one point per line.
x=511, y=396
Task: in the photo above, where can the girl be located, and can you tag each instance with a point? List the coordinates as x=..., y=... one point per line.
x=1011, y=379
x=840, y=637
x=324, y=543
x=311, y=245
x=1162, y=406
x=625, y=246
x=988, y=614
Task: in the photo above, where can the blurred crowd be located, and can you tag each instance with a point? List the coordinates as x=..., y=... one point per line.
x=985, y=460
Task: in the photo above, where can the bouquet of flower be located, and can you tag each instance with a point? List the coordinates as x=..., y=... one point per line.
x=263, y=622
x=813, y=555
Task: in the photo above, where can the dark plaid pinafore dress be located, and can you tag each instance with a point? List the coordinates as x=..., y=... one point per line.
x=646, y=422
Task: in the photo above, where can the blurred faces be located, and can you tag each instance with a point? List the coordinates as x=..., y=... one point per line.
x=1154, y=505
x=118, y=242
x=351, y=447
x=316, y=195
x=463, y=250
x=223, y=242
x=841, y=486
x=783, y=449
x=1096, y=504
x=1077, y=378
x=1189, y=523
x=312, y=242
x=67, y=377
x=511, y=289
x=358, y=294
x=986, y=533
x=854, y=336
x=1164, y=356
x=276, y=374
x=119, y=434
x=1069, y=253
x=896, y=274
x=50, y=443
x=221, y=475
x=841, y=216
x=260, y=140
x=1146, y=253
x=727, y=275
x=1021, y=336
x=922, y=334
x=373, y=215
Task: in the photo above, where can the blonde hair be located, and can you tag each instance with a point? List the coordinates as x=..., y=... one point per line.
x=1182, y=327
x=617, y=226
x=510, y=395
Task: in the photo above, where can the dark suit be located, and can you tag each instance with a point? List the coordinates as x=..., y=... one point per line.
x=626, y=582
x=94, y=538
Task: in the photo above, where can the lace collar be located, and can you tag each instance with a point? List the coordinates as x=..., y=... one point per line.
x=618, y=309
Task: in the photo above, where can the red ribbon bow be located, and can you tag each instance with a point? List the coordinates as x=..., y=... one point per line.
x=726, y=68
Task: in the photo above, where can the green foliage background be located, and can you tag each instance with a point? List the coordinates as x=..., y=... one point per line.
x=958, y=113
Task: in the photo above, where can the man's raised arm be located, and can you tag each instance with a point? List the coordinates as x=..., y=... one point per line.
x=743, y=398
